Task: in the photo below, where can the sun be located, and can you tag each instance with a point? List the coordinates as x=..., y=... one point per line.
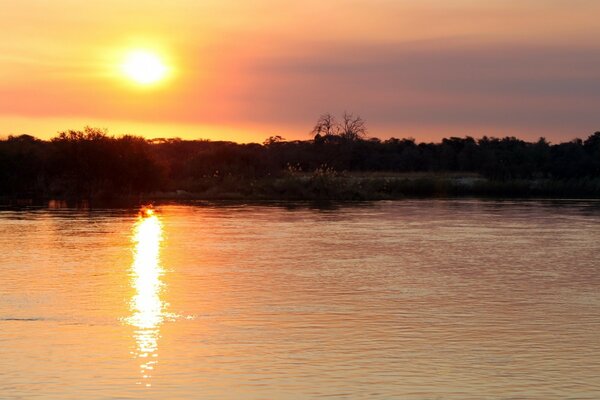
x=144, y=67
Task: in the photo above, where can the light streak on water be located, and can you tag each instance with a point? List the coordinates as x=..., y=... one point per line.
x=146, y=304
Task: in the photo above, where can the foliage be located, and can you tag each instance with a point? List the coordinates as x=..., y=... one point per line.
x=90, y=163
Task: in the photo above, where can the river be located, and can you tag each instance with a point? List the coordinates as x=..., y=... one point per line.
x=415, y=299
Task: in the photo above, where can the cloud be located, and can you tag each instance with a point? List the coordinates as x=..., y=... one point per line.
x=455, y=83
x=522, y=67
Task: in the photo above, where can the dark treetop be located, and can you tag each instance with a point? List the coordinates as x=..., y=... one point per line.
x=90, y=163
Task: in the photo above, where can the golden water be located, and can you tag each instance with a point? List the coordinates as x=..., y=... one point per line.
x=435, y=299
x=146, y=304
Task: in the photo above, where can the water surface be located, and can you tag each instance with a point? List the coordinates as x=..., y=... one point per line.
x=448, y=299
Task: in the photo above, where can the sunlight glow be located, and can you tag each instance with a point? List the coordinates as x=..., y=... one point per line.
x=146, y=304
x=144, y=67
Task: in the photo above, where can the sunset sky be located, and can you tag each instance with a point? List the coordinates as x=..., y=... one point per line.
x=243, y=71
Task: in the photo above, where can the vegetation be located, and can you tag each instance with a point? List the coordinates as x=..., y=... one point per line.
x=339, y=162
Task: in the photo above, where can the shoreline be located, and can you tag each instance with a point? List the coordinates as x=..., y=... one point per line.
x=322, y=188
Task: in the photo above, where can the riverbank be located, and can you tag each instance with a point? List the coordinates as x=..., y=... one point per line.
x=327, y=185
x=93, y=166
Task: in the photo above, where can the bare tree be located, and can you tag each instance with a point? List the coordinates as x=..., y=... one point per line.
x=326, y=125
x=352, y=128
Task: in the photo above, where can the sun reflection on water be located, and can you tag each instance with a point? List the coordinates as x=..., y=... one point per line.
x=146, y=304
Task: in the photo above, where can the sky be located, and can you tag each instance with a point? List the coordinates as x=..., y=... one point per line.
x=247, y=70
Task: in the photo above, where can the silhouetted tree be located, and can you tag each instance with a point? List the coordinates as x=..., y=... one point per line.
x=90, y=162
x=326, y=126
x=352, y=127
x=271, y=140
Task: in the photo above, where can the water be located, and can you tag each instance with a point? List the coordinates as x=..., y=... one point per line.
x=458, y=299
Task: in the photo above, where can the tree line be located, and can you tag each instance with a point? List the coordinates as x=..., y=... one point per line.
x=91, y=162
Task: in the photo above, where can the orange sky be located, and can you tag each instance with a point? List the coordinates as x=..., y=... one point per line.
x=246, y=70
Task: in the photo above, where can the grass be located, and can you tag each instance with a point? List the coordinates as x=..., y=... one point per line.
x=326, y=184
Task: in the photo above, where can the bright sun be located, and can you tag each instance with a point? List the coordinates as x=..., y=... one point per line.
x=144, y=67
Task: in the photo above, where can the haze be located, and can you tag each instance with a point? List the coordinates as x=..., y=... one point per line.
x=244, y=71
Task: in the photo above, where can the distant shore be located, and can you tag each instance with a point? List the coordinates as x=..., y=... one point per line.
x=382, y=186
x=90, y=165
x=330, y=186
